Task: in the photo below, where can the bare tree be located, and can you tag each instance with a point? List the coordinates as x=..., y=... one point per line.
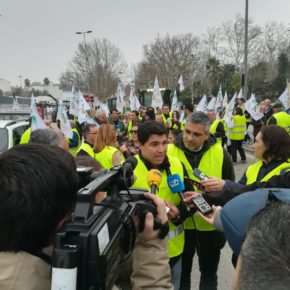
x=168, y=57
x=96, y=67
x=234, y=40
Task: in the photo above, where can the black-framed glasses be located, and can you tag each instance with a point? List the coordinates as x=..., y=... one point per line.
x=133, y=131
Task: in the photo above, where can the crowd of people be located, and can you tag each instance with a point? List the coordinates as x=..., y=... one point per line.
x=158, y=139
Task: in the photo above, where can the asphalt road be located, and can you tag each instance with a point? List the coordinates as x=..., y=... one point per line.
x=226, y=270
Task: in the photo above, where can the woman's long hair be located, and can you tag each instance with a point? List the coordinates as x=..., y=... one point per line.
x=106, y=136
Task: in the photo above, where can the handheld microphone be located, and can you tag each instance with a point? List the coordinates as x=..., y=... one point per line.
x=154, y=178
x=176, y=185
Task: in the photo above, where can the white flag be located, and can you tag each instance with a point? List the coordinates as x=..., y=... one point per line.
x=65, y=126
x=174, y=106
x=156, y=97
x=202, y=105
x=74, y=102
x=284, y=99
x=36, y=121
x=134, y=102
x=180, y=82
x=229, y=110
x=219, y=100
x=240, y=94
x=104, y=107
x=251, y=104
x=120, y=99
x=225, y=99
x=83, y=108
x=211, y=104
x=15, y=105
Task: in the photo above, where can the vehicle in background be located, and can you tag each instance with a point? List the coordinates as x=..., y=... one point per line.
x=14, y=115
x=10, y=133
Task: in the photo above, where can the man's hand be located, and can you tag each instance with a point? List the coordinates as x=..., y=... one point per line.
x=188, y=195
x=213, y=184
x=173, y=212
x=211, y=216
x=149, y=233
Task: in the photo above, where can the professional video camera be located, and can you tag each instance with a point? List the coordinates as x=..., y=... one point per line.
x=99, y=236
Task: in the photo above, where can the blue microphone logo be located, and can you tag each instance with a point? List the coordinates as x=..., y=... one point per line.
x=175, y=183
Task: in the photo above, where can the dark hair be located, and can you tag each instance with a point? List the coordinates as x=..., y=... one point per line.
x=177, y=113
x=189, y=107
x=165, y=105
x=114, y=110
x=238, y=111
x=148, y=128
x=150, y=113
x=135, y=112
x=265, y=254
x=277, y=142
x=86, y=129
x=38, y=189
x=175, y=132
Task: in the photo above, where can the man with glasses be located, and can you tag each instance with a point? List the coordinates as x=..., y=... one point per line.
x=89, y=133
x=119, y=126
x=197, y=148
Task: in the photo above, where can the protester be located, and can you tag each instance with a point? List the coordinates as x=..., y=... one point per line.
x=272, y=148
x=132, y=147
x=152, y=138
x=106, y=147
x=237, y=130
x=150, y=113
x=196, y=148
x=89, y=132
x=119, y=126
x=268, y=109
x=280, y=118
x=174, y=122
x=166, y=114
x=49, y=137
x=134, y=120
x=217, y=128
x=188, y=110
x=101, y=117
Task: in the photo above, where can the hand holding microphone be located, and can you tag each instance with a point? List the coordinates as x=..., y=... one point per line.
x=154, y=178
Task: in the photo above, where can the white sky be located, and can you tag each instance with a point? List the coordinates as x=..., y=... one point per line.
x=37, y=37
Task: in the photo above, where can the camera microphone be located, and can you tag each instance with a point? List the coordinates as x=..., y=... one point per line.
x=154, y=178
x=130, y=163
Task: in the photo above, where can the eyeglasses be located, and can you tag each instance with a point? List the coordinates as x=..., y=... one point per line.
x=92, y=133
x=133, y=131
x=188, y=132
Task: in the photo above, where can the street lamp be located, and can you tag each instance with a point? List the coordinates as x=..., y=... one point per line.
x=84, y=34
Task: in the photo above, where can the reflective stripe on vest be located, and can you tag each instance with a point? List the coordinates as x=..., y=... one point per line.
x=253, y=171
x=105, y=157
x=176, y=240
x=88, y=149
x=176, y=232
x=211, y=164
x=238, y=131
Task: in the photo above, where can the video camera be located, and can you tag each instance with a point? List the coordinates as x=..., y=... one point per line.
x=99, y=236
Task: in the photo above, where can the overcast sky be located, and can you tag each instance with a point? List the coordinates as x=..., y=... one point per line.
x=37, y=37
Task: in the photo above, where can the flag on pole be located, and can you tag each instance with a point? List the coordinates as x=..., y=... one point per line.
x=251, y=104
x=211, y=104
x=229, y=109
x=202, y=105
x=36, y=121
x=219, y=100
x=240, y=94
x=174, y=106
x=180, y=82
x=284, y=99
x=225, y=99
x=120, y=99
x=133, y=100
x=74, y=102
x=65, y=126
x=83, y=108
x=15, y=105
x=156, y=97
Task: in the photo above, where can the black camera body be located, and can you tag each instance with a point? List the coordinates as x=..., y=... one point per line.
x=99, y=236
